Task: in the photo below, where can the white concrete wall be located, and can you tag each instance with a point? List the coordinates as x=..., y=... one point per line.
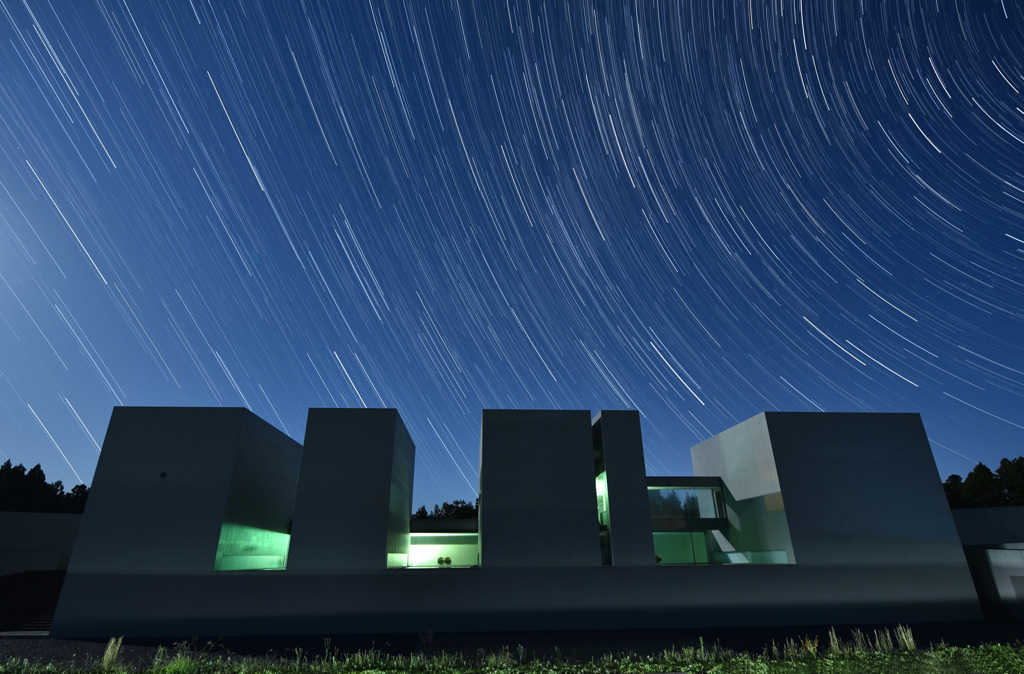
x=264, y=477
x=619, y=450
x=161, y=488
x=166, y=480
x=538, y=504
x=355, y=491
x=742, y=456
x=400, y=496
x=863, y=489
x=858, y=491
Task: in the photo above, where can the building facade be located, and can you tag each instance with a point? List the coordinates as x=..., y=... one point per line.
x=212, y=522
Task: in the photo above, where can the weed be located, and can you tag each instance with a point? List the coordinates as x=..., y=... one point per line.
x=882, y=652
x=835, y=644
x=860, y=642
x=883, y=641
x=111, y=654
x=810, y=648
x=905, y=638
x=158, y=659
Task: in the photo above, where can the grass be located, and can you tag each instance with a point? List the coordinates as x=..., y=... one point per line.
x=881, y=651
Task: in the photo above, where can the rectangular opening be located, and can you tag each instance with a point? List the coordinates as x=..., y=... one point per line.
x=686, y=502
x=691, y=526
x=443, y=550
x=601, y=485
x=248, y=548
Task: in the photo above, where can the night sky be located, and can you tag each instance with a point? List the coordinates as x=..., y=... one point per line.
x=700, y=210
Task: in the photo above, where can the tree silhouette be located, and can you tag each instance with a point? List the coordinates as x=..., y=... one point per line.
x=657, y=502
x=954, y=488
x=691, y=508
x=28, y=491
x=983, y=488
x=1011, y=479
x=456, y=510
x=666, y=503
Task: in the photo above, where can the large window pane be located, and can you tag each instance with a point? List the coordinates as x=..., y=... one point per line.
x=673, y=547
x=691, y=503
x=700, y=547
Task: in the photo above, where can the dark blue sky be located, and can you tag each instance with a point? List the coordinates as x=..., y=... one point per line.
x=683, y=208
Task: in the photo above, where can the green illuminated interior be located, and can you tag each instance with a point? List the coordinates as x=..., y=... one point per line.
x=443, y=550
x=248, y=548
x=681, y=547
x=601, y=484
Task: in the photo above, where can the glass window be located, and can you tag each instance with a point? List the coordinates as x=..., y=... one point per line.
x=697, y=502
x=680, y=547
x=700, y=547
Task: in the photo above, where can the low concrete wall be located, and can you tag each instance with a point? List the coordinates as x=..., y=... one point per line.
x=993, y=540
x=506, y=599
x=36, y=541
x=989, y=526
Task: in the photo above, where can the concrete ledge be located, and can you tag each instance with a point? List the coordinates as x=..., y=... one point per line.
x=509, y=599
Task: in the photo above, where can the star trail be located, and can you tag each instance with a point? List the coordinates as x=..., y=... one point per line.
x=700, y=210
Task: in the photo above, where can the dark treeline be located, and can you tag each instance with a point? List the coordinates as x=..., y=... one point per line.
x=456, y=510
x=28, y=491
x=984, y=488
x=666, y=503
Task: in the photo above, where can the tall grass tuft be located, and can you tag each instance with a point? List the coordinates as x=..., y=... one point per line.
x=883, y=641
x=158, y=659
x=836, y=645
x=860, y=642
x=905, y=638
x=111, y=654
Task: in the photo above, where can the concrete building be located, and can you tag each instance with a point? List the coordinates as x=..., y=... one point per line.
x=36, y=541
x=210, y=522
x=537, y=502
x=993, y=540
x=354, y=493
